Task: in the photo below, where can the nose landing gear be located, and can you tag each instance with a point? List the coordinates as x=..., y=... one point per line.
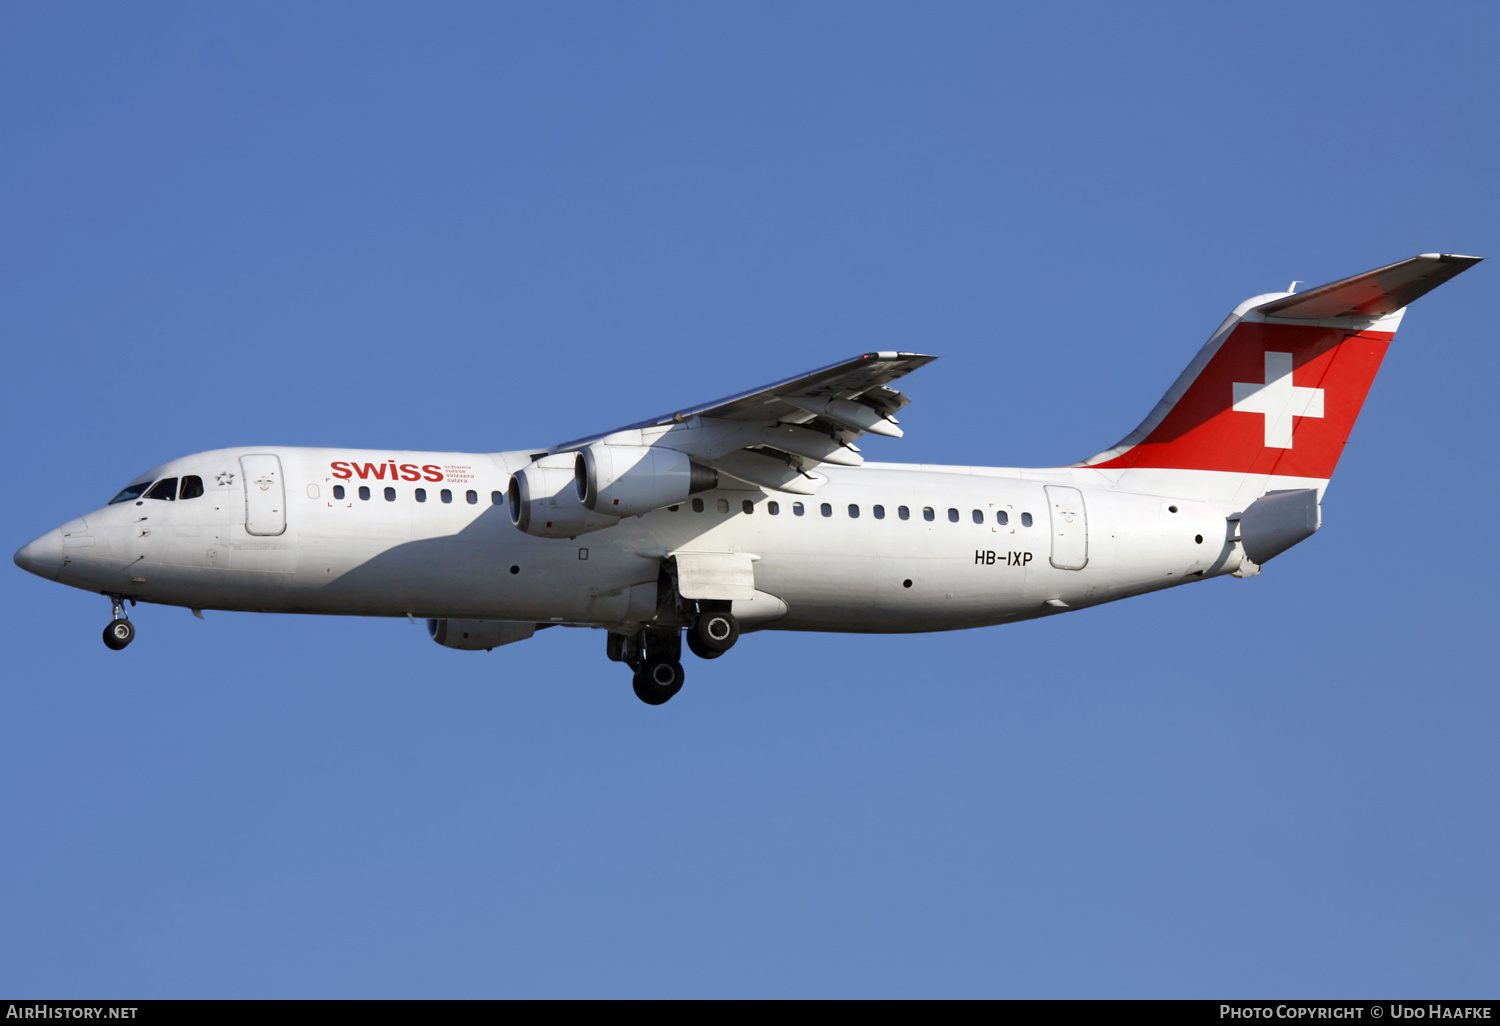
x=120, y=631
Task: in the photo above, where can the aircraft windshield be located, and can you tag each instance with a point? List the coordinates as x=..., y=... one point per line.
x=131, y=492
x=165, y=489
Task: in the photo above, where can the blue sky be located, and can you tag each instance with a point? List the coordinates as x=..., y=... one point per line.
x=483, y=227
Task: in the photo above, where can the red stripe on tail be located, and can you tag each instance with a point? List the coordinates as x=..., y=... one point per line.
x=1332, y=370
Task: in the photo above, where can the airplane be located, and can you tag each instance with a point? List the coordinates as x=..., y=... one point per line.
x=758, y=512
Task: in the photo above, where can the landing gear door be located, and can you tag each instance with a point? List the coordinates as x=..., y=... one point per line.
x=265, y=495
x=1070, y=528
x=715, y=575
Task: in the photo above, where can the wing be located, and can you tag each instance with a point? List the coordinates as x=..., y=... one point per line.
x=774, y=436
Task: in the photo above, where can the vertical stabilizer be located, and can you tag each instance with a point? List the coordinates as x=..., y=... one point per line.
x=1270, y=401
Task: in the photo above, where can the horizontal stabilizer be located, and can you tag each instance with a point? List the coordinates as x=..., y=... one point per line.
x=1374, y=293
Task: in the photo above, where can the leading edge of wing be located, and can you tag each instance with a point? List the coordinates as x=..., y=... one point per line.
x=859, y=374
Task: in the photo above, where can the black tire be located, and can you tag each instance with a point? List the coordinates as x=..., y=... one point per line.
x=716, y=631
x=658, y=680
x=696, y=646
x=118, y=634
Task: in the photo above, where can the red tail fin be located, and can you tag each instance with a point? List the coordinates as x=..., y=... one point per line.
x=1277, y=389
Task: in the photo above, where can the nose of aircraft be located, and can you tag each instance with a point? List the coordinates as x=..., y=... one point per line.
x=43, y=557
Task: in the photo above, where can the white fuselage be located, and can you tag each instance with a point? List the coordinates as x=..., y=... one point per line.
x=466, y=559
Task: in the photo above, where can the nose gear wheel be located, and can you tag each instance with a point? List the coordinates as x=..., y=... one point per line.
x=118, y=634
x=120, y=631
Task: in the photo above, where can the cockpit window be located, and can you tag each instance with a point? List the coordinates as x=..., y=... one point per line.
x=192, y=487
x=166, y=489
x=131, y=492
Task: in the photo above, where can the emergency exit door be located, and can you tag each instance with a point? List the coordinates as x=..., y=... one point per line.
x=265, y=495
x=1070, y=528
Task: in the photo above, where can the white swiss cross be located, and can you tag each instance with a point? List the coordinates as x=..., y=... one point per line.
x=1278, y=399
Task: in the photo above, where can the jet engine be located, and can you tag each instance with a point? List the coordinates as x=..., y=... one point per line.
x=543, y=501
x=473, y=635
x=629, y=480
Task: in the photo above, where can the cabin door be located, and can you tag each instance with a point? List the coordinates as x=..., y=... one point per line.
x=265, y=495
x=1070, y=528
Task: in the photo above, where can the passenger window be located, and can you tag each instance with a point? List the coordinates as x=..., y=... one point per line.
x=722, y=505
x=797, y=509
x=192, y=487
x=364, y=492
x=1025, y=519
x=421, y=494
x=697, y=505
x=903, y=512
x=338, y=491
x=952, y=515
x=445, y=495
x=978, y=517
x=390, y=495
x=472, y=496
x=853, y=511
x=748, y=506
x=826, y=509
x=879, y=512
x=496, y=498
x=1002, y=518
x=773, y=507
x=165, y=489
x=132, y=492
x=928, y=515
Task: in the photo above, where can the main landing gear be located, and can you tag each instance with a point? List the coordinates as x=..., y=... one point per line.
x=657, y=680
x=655, y=654
x=656, y=657
x=713, y=633
x=120, y=631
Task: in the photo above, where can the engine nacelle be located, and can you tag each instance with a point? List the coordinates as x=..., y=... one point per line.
x=473, y=635
x=544, y=503
x=628, y=480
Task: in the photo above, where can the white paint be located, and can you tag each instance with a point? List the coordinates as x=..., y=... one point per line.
x=1278, y=400
x=838, y=573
